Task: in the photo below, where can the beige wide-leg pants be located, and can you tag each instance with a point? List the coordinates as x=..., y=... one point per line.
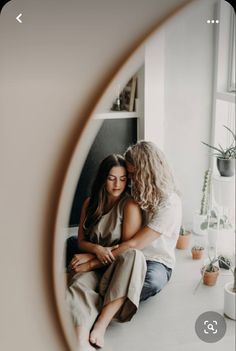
x=90, y=291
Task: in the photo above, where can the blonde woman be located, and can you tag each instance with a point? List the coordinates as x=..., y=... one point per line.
x=153, y=189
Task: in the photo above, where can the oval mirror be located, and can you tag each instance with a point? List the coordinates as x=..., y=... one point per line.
x=168, y=93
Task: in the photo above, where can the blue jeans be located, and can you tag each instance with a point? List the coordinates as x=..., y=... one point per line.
x=156, y=278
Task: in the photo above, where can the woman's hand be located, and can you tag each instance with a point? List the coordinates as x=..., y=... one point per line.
x=84, y=267
x=104, y=254
x=79, y=259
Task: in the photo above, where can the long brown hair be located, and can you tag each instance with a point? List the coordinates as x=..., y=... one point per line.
x=98, y=198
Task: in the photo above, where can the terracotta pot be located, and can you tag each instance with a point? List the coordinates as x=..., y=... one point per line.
x=197, y=254
x=210, y=278
x=183, y=241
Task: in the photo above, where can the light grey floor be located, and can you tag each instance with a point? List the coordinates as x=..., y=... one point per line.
x=166, y=322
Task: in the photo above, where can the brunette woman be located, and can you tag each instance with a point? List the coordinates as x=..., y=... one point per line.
x=108, y=217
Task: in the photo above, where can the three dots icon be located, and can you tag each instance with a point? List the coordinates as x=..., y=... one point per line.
x=213, y=21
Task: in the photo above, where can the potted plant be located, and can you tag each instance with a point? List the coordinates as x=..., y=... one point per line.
x=210, y=271
x=197, y=252
x=229, y=297
x=229, y=289
x=184, y=238
x=225, y=156
x=210, y=274
x=201, y=216
x=225, y=262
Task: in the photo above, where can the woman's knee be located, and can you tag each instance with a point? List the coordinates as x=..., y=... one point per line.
x=150, y=288
x=130, y=253
x=155, y=285
x=156, y=278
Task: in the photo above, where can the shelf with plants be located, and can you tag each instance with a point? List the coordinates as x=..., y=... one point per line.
x=225, y=157
x=125, y=104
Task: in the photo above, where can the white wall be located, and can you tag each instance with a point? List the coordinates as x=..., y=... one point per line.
x=224, y=101
x=54, y=66
x=186, y=99
x=223, y=46
x=154, y=89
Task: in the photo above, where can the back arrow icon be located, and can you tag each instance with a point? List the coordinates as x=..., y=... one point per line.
x=18, y=18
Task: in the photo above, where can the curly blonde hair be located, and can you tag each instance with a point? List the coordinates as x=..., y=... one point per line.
x=152, y=179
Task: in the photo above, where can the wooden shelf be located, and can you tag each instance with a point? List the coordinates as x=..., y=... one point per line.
x=115, y=115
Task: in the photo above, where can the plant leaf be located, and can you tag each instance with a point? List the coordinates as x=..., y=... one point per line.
x=212, y=147
x=203, y=226
x=234, y=135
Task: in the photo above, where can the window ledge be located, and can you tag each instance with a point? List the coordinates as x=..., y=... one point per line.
x=226, y=96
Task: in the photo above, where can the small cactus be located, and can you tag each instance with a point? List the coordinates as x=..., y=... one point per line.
x=206, y=192
x=183, y=231
x=197, y=247
x=210, y=267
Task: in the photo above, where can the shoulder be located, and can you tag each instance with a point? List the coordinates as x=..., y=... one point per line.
x=167, y=216
x=132, y=214
x=131, y=204
x=172, y=201
x=127, y=204
x=131, y=208
x=169, y=207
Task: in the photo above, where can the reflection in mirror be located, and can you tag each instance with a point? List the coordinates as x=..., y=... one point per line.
x=181, y=98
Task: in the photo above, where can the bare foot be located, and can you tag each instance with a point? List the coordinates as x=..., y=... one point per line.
x=83, y=339
x=97, y=335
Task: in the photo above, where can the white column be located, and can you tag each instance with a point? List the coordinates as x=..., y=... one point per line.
x=154, y=89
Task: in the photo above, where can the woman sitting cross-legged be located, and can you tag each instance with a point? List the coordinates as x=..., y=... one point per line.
x=108, y=217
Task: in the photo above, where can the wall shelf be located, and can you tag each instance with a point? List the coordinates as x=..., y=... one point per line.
x=225, y=96
x=115, y=115
x=224, y=190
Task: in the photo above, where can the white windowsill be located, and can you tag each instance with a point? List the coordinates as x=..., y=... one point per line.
x=226, y=96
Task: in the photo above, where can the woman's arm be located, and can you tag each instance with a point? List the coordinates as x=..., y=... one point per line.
x=133, y=236
x=140, y=240
x=84, y=244
x=104, y=254
x=132, y=220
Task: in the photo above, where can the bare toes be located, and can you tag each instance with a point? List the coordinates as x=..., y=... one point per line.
x=96, y=338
